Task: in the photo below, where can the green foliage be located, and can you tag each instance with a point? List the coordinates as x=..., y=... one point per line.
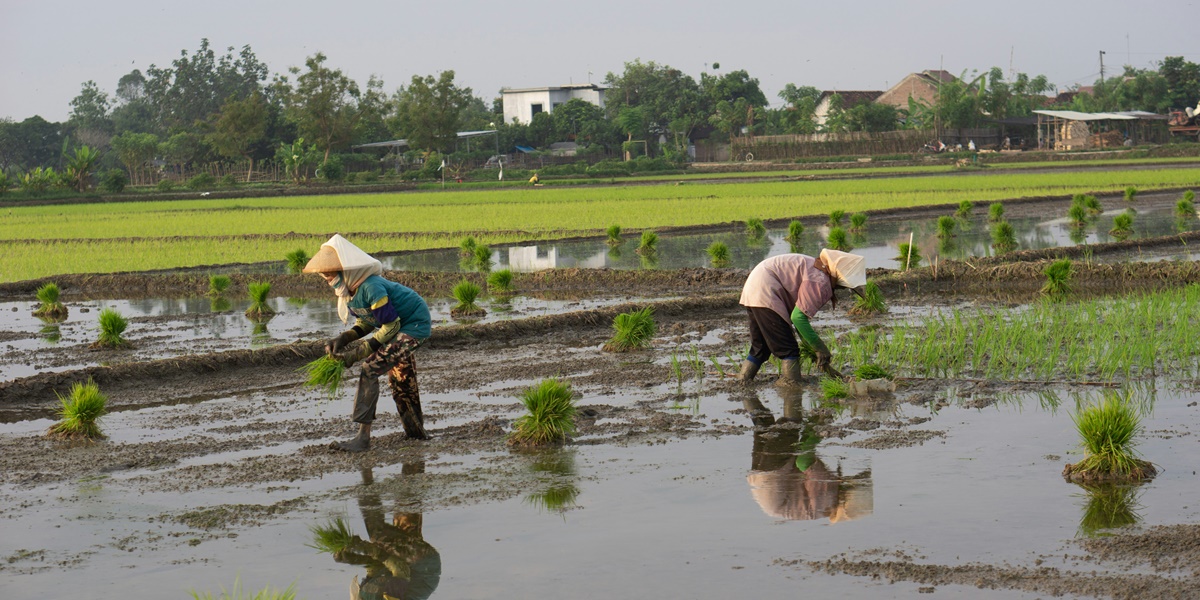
x=551, y=416
x=964, y=209
x=871, y=301
x=298, y=160
x=832, y=389
x=332, y=537
x=259, y=291
x=296, y=260
x=325, y=372
x=113, y=181
x=945, y=227
x=838, y=240
x=1077, y=215
x=37, y=180
x=1108, y=432
x=1004, y=237
x=614, y=235
x=4, y=183
x=1092, y=204
x=50, y=307
x=649, y=243
x=333, y=171
x=632, y=330
x=909, y=256
x=466, y=292
x=80, y=412
x=202, y=181
x=500, y=282
x=1058, y=278
x=835, y=217
x=112, y=326
x=236, y=593
x=165, y=185
x=79, y=168
x=483, y=258
x=718, y=253
x=1131, y=194
x=996, y=212
x=1122, y=226
x=1185, y=208
x=867, y=371
x=228, y=180
x=858, y=221
x=217, y=284
x=795, y=230
x=466, y=247
x=755, y=228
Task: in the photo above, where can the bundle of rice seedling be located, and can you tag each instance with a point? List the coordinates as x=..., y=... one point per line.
x=1108, y=432
x=858, y=221
x=964, y=209
x=217, y=284
x=614, y=235
x=1131, y=194
x=259, y=290
x=795, y=230
x=755, y=228
x=325, y=372
x=50, y=308
x=1004, y=237
x=871, y=371
x=466, y=292
x=835, y=218
x=945, y=226
x=832, y=388
x=1186, y=208
x=632, y=330
x=718, y=253
x=267, y=593
x=1122, y=226
x=996, y=212
x=332, y=537
x=296, y=259
x=1092, y=204
x=80, y=411
x=112, y=326
x=871, y=301
x=500, y=282
x=1058, y=278
x=838, y=240
x=1077, y=215
x=551, y=416
x=466, y=248
x=483, y=258
x=649, y=243
x=909, y=256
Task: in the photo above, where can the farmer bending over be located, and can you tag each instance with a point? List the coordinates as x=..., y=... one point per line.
x=781, y=294
x=400, y=319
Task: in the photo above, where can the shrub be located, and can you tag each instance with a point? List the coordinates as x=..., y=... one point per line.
x=466, y=292
x=909, y=257
x=296, y=259
x=333, y=171
x=38, y=180
x=795, y=230
x=1131, y=194
x=50, y=307
x=259, y=290
x=325, y=372
x=649, y=243
x=835, y=218
x=1108, y=432
x=112, y=326
x=996, y=212
x=551, y=416
x=838, y=240
x=964, y=209
x=217, y=284
x=614, y=235
x=632, y=330
x=228, y=180
x=718, y=253
x=1004, y=237
x=80, y=412
x=871, y=371
x=755, y=228
x=871, y=301
x=165, y=185
x=500, y=282
x=1058, y=278
x=203, y=181
x=945, y=227
x=858, y=221
x=113, y=181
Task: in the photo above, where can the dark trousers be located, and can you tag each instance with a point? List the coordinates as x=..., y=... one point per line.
x=770, y=334
x=396, y=359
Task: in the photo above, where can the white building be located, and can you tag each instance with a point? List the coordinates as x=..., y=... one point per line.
x=522, y=104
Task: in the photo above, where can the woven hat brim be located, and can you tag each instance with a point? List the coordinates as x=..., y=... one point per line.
x=325, y=261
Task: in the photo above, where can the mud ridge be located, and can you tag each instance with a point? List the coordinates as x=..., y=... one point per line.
x=1009, y=275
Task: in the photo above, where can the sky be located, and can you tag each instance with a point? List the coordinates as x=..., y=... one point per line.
x=48, y=48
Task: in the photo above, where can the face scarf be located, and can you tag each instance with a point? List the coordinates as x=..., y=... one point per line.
x=357, y=266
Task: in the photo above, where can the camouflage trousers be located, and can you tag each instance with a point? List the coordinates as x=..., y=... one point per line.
x=396, y=359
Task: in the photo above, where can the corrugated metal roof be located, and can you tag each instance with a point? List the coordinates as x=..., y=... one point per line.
x=1072, y=115
x=400, y=143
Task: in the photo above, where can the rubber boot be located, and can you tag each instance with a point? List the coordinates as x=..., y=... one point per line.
x=789, y=373
x=749, y=370
x=360, y=442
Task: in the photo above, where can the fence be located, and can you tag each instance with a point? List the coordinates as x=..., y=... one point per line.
x=783, y=147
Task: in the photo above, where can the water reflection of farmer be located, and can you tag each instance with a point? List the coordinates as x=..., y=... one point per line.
x=781, y=294
x=788, y=479
x=400, y=319
x=400, y=563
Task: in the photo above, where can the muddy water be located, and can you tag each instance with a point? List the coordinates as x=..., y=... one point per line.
x=878, y=242
x=696, y=517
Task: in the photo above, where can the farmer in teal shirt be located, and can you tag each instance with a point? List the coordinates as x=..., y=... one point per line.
x=397, y=319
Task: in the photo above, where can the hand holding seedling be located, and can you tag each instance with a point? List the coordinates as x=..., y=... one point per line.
x=334, y=345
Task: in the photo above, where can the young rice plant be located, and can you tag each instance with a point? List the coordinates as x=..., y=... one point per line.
x=466, y=292
x=1092, y=204
x=649, y=243
x=1058, y=279
x=858, y=221
x=1077, y=215
x=996, y=212
x=551, y=416
x=267, y=593
x=718, y=254
x=838, y=240
x=909, y=256
x=80, y=412
x=501, y=282
x=1186, y=207
x=835, y=217
x=833, y=389
x=964, y=209
x=483, y=258
x=1108, y=432
x=795, y=230
x=217, y=284
x=296, y=260
x=1131, y=194
x=871, y=301
x=1122, y=226
x=466, y=248
x=945, y=227
x=632, y=330
x=112, y=326
x=50, y=308
x=325, y=372
x=871, y=371
x=755, y=228
x=614, y=235
x=259, y=290
x=1004, y=237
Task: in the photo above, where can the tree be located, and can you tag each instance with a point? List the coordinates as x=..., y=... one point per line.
x=800, y=114
x=1183, y=81
x=239, y=126
x=733, y=86
x=670, y=100
x=429, y=112
x=632, y=121
x=80, y=166
x=732, y=117
x=872, y=117
x=195, y=86
x=135, y=150
x=324, y=104
x=30, y=143
x=89, y=110
x=835, y=119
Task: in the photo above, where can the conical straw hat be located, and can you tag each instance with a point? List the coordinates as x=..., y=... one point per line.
x=326, y=261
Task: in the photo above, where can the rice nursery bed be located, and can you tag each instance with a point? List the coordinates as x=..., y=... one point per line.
x=215, y=464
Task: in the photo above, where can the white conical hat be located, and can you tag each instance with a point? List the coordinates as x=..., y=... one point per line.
x=850, y=270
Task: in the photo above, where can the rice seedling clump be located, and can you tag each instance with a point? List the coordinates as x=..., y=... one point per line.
x=832, y=388
x=1004, y=237
x=501, y=282
x=1186, y=207
x=945, y=226
x=325, y=372
x=795, y=230
x=871, y=371
x=632, y=331
x=1108, y=432
x=718, y=254
x=649, y=243
x=996, y=212
x=1122, y=226
x=838, y=240
x=1077, y=215
x=259, y=290
x=858, y=221
x=80, y=412
x=835, y=217
x=267, y=593
x=614, y=235
x=296, y=259
x=112, y=327
x=550, y=418
x=466, y=292
x=1131, y=194
x=483, y=258
x=1058, y=278
x=217, y=284
x=964, y=209
x=909, y=257
x=332, y=537
x=50, y=308
x=466, y=248
x=871, y=301
x=755, y=228
x=1092, y=204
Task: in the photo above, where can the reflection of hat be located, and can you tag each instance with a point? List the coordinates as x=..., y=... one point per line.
x=850, y=270
x=857, y=499
x=326, y=261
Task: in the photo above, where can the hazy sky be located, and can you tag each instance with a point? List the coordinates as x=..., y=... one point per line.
x=48, y=48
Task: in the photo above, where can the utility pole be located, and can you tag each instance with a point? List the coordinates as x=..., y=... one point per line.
x=1101, y=72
